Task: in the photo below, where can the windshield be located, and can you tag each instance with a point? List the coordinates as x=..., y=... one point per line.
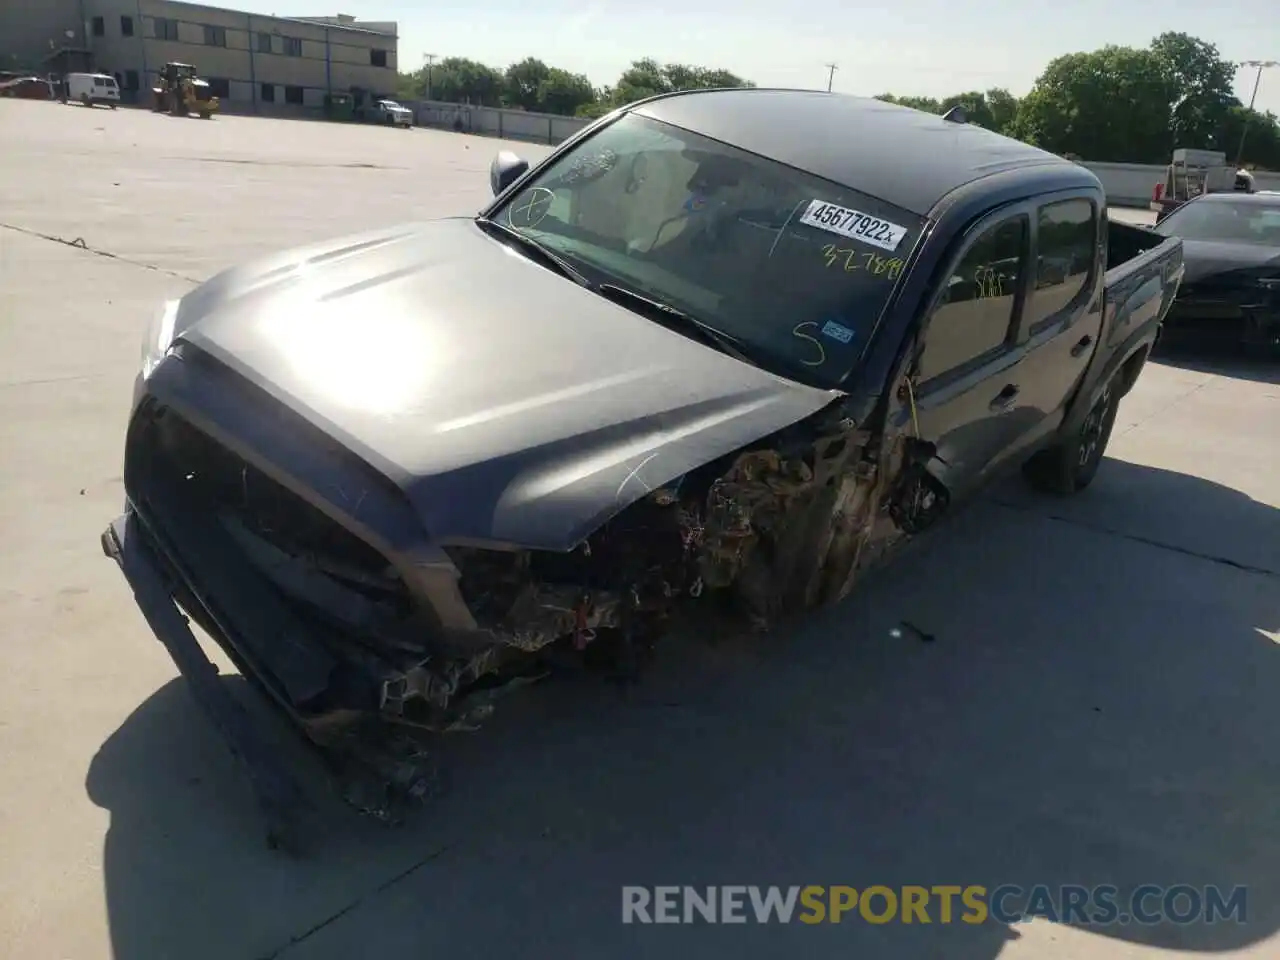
x=391, y=105
x=795, y=268
x=1226, y=221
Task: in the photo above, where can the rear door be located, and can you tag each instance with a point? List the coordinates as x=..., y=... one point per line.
x=1062, y=319
x=969, y=395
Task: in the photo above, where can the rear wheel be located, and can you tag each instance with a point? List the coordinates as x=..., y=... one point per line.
x=85, y=101
x=1070, y=466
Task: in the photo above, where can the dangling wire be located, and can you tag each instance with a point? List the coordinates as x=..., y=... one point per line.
x=911, y=400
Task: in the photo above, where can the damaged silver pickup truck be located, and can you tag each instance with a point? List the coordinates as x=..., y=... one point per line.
x=722, y=350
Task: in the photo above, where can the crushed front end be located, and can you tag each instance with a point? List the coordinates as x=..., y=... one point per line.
x=1240, y=306
x=312, y=572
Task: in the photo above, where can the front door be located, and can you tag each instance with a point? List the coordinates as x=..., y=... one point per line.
x=970, y=395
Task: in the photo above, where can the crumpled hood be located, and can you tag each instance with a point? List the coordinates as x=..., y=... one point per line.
x=509, y=403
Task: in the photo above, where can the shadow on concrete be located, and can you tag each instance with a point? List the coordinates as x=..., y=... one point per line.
x=1093, y=709
x=1258, y=364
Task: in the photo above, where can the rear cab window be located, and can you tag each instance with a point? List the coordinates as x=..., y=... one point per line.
x=797, y=268
x=1066, y=256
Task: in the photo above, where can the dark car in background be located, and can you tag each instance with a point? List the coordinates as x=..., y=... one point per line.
x=26, y=88
x=1231, y=246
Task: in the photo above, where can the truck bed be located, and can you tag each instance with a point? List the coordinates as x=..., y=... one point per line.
x=1144, y=270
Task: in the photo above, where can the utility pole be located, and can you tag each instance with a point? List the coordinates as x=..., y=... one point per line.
x=831, y=73
x=429, y=59
x=1260, y=65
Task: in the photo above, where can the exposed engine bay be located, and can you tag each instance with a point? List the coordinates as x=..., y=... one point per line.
x=786, y=524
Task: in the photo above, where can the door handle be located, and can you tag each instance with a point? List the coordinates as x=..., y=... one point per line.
x=1004, y=399
x=1085, y=342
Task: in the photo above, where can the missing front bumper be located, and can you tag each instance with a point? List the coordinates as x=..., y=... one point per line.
x=125, y=541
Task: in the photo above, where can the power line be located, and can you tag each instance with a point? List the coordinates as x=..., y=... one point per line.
x=1257, y=80
x=429, y=58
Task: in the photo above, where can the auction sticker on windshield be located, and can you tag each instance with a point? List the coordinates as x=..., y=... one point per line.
x=853, y=224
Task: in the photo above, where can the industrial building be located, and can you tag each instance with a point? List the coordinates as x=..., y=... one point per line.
x=252, y=61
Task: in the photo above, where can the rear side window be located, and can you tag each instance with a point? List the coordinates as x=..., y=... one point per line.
x=1066, y=243
x=974, y=314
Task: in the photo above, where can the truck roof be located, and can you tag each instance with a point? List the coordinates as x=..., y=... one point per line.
x=907, y=157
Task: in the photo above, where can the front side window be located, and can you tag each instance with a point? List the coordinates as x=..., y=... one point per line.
x=1066, y=244
x=975, y=309
x=796, y=268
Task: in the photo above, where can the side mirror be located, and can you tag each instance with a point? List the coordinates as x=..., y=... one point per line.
x=506, y=167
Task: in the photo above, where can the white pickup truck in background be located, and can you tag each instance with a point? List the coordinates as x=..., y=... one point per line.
x=388, y=111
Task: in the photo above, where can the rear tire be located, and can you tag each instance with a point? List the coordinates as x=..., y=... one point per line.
x=85, y=101
x=1070, y=465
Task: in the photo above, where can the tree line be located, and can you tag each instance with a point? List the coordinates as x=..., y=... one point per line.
x=533, y=85
x=1124, y=104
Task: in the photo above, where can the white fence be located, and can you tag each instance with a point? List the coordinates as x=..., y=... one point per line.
x=1127, y=184
x=496, y=122
x=1130, y=184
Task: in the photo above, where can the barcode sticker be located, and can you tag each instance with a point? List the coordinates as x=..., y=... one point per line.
x=853, y=224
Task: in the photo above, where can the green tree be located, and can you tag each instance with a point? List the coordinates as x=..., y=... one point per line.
x=1262, y=141
x=1003, y=106
x=996, y=109
x=1112, y=103
x=459, y=80
x=927, y=104
x=1201, y=82
x=524, y=80
x=563, y=92
x=647, y=77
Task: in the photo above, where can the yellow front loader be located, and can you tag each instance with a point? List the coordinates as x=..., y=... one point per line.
x=181, y=93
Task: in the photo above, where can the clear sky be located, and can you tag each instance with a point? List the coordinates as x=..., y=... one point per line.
x=923, y=47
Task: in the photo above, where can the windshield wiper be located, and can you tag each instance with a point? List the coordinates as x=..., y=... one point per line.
x=674, y=318
x=537, y=250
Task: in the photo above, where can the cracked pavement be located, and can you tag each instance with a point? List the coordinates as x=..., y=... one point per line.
x=1098, y=705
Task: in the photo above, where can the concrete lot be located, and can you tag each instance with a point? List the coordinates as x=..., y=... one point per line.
x=1099, y=706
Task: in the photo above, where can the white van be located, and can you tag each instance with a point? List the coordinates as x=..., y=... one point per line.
x=91, y=88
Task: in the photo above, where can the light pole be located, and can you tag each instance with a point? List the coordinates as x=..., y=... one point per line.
x=831, y=73
x=429, y=58
x=1260, y=65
